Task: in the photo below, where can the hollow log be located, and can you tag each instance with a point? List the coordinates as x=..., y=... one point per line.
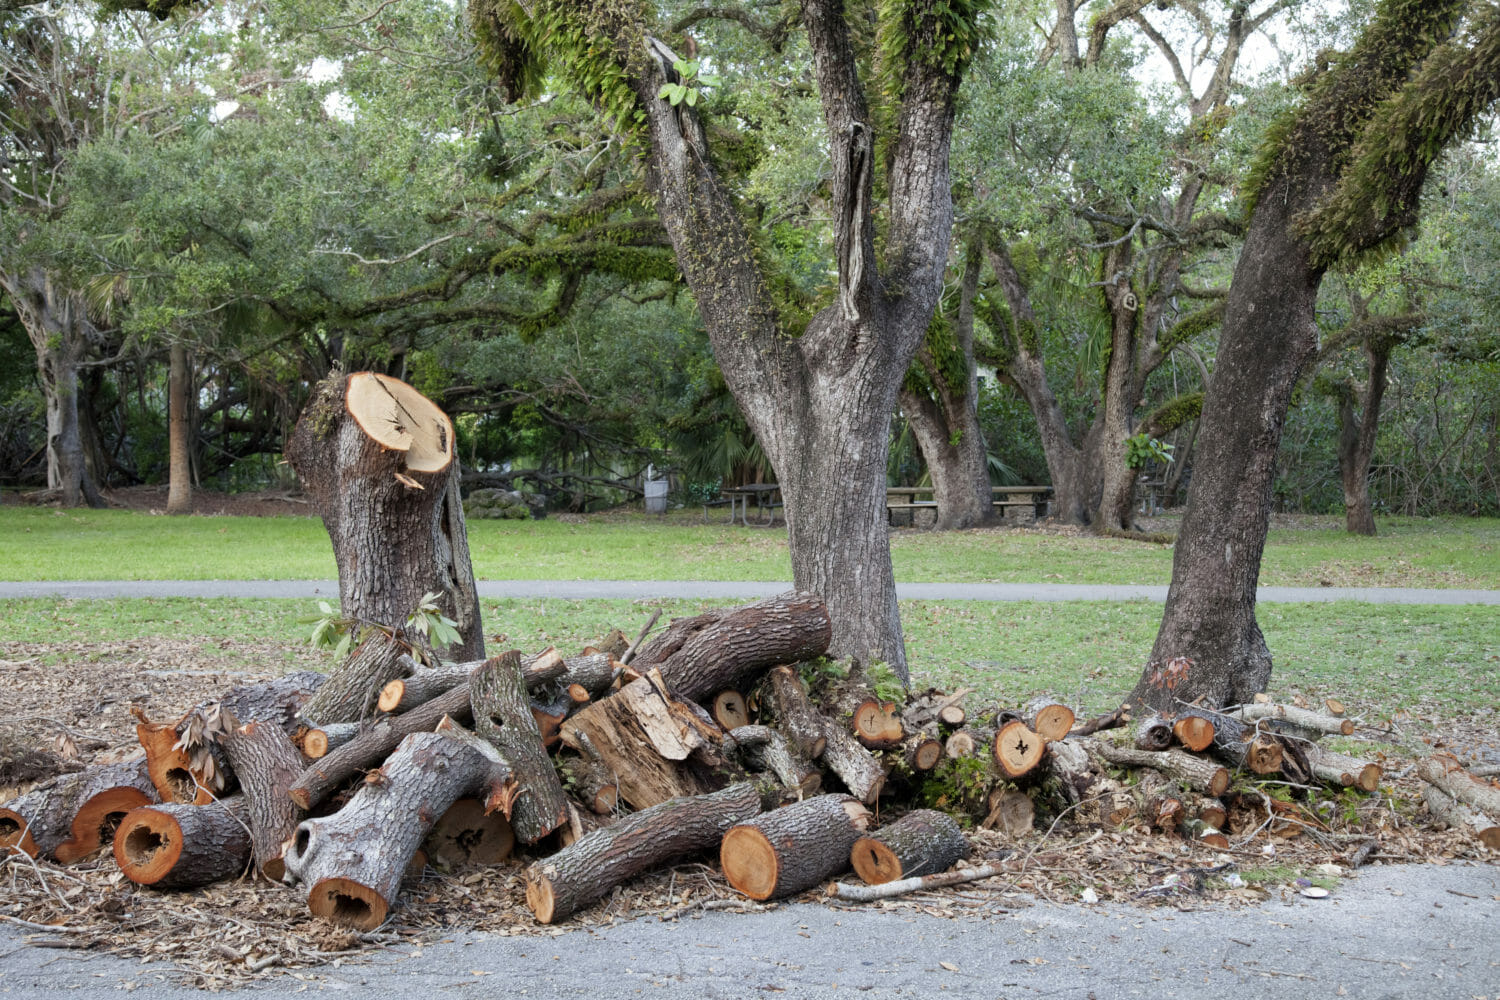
x=796, y=719
x=175, y=774
x=502, y=715
x=793, y=848
x=181, y=846
x=376, y=456
x=1017, y=749
x=1458, y=815
x=352, y=861
x=468, y=835
x=729, y=710
x=1153, y=733
x=1341, y=769
x=1447, y=773
x=563, y=884
x=267, y=764
x=1197, y=773
x=705, y=654
x=372, y=745
x=923, y=842
x=71, y=815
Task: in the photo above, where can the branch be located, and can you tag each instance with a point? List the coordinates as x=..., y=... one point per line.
x=1122, y=11
x=773, y=34
x=393, y=260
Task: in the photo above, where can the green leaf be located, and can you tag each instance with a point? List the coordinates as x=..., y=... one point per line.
x=692, y=97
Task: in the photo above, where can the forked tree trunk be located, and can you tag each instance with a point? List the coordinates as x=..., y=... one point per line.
x=1357, y=440
x=378, y=459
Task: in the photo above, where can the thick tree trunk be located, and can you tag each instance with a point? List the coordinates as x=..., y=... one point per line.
x=565, y=883
x=181, y=846
x=390, y=503
x=179, y=428
x=793, y=848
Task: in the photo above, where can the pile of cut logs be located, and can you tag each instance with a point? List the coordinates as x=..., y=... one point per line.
x=621, y=760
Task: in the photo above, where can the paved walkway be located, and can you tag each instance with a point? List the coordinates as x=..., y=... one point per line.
x=710, y=590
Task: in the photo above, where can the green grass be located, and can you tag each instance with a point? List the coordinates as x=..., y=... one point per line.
x=45, y=544
x=1379, y=658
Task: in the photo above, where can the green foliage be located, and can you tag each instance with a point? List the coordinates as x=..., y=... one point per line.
x=942, y=35
x=688, y=88
x=428, y=620
x=1143, y=449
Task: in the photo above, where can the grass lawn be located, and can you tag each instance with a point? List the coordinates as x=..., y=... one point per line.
x=1379, y=658
x=46, y=544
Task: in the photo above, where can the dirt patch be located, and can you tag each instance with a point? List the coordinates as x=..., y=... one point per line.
x=206, y=503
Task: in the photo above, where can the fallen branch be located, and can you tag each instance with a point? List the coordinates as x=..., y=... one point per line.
x=870, y=893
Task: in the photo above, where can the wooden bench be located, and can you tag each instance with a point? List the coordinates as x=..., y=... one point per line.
x=1036, y=498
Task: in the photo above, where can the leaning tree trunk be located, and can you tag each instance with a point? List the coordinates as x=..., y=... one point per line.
x=378, y=459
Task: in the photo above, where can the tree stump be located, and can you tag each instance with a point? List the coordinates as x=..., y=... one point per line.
x=922, y=842
x=352, y=861
x=182, y=846
x=794, y=848
x=597, y=862
x=377, y=458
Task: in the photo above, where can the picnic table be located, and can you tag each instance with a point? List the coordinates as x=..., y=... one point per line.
x=1003, y=498
x=765, y=497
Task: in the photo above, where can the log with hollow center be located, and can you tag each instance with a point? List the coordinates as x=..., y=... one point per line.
x=178, y=845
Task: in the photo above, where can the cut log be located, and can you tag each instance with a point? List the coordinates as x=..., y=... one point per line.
x=877, y=724
x=952, y=716
x=372, y=745
x=857, y=768
x=267, y=764
x=1458, y=815
x=1011, y=812
x=1050, y=720
x=354, y=688
x=182, y=846
x=1197, y=773
x=1294, y=721
x=1070, y=770
x=923, y=842
x=376, y=456
x=1194, y=732
x=1447, y=773
x=966, y=743
x=762, y=748
x=502, y=715
x=629, y=730
x=934, y=708
x=499, y=789
x=1153, y=733
x=593, y=783
x=71, y=815
x=320, y=742
x=1246, y=748
x=1017, y=749
x=614, y=645
x=587, y=870
x=1161, y=806
x=1212, y=812
x=729, y=710
x=793, y=848
x=796, y=719
x=1334, y=706
x=402, y=694
x=921, y=753
x=467, y=835
x=352, y=861
x=1340, y=769
x=705, y=654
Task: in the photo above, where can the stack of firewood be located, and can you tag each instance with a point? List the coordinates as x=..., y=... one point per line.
x=726, y=732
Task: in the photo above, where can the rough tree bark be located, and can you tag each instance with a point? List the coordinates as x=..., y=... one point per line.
x=377, y=458
x=1341, y=177
x=179, y=426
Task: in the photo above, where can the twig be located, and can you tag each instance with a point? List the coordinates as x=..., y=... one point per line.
x=629, y=653
x=49, y=928
x=900, y=887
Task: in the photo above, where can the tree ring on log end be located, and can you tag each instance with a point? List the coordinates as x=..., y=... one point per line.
x=467, y=835
x=400, y=418
x=749, y=862
x=541, y=899
x=347, y=903
x=1018, y=749
x=874, y=862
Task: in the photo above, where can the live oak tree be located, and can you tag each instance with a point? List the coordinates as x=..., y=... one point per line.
x=818, y=388
x=1337, y=178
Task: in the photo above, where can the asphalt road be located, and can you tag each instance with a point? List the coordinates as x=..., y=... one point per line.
x=1402, y=931
x=637, y=589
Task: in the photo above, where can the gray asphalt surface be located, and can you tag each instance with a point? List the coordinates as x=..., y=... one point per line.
x=1393, y=932
x=636, y=589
